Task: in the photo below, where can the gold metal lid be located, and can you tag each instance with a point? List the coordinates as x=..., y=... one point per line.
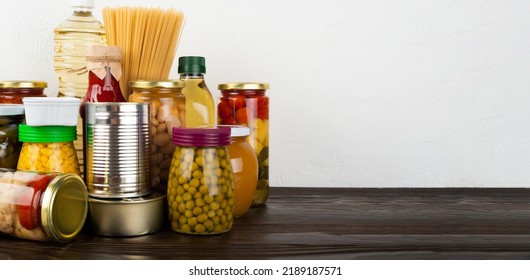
x=64, y=207
x=157, y=84
x=23, y=84
x=244, y=85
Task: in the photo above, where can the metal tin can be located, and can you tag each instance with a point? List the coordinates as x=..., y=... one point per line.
x=42, y=207
x=247, y=104
x=118, y=156
x=13, y=91
x=167, y=110
x=11, y=115
x=201, y=184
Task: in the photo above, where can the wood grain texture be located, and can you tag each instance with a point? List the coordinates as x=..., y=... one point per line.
x=338, y=223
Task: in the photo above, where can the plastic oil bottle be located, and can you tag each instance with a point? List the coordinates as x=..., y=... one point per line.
x=199, y=100
x=72, y=37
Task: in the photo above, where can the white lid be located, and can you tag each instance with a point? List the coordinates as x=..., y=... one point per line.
x=82, y=3
x=51, y=100
x=11, y=109
x=238, y=131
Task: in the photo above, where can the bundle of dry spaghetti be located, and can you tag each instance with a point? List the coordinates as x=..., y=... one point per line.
x=148, y=38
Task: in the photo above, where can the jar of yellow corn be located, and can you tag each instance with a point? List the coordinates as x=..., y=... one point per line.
x=48, y=149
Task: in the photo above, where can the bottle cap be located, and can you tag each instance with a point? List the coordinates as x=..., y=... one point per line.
x=192, y=65
x=201, y=137
x=82, y=3
x=46, y=134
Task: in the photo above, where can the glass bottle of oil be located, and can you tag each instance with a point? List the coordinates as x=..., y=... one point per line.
x=72, y=38
x=199, y=100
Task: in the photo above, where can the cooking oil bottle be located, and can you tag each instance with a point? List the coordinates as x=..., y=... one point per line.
x=199, y=100
x=72, y=37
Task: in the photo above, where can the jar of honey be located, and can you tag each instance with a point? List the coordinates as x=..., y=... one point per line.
x=246, y=103
x=12, y=92
x=167, y=109
x=200, y=191
x=48, y=149
x=245, y=168
x=42, y=207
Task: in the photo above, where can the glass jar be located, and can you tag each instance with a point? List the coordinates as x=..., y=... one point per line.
x=42, y=207
x=11, y=115
x=167, y=110
x=245, y=168
x=48, y=149
x=12, y=92
x=201, y=184
x=246, y=104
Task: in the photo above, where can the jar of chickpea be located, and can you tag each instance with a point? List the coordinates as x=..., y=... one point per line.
x=201, y=183
x=48, y=149
x=167, y=110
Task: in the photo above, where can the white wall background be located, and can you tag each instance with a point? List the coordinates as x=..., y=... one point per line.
x=372, y=93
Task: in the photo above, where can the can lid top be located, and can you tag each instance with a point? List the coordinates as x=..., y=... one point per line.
x=201, y=137
x=64, y=207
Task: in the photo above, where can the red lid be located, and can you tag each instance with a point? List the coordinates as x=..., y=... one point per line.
x=201, y=137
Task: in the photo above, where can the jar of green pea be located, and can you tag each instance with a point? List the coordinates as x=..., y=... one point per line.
x=200, y=189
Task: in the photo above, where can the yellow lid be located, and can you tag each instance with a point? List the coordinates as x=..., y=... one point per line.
x=64, y=207
x=243, y=86
x=157, y=84
x=23, y=84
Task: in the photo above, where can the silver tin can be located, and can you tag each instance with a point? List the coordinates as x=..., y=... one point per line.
x=117, y=144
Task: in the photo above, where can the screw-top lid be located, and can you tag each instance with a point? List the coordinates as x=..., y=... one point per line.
x=157, y=84
x=23, y=84
x=201, y=137
x=46, y=134
x=192, y=65
x=64, y=207
x=82, y=3
x=243, y=86
x=11, y=109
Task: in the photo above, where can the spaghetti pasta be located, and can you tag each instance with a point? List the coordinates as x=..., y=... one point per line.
x=148, y=38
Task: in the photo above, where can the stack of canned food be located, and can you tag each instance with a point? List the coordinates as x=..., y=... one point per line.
x=144, y=167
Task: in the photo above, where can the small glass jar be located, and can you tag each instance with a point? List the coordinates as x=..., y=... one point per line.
x=11, y=115
x=42, y=207
x=48, y=149
x=167, y=110
x=12, y=92
x=247, y=104
x=245, y=168
x=201, y=184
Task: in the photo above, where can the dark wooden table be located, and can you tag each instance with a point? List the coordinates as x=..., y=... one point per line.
x=339, y=223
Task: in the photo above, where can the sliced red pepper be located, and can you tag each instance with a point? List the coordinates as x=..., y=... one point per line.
x=237, y=102
x=229, y=121
x=241, y=116
x=224, y=110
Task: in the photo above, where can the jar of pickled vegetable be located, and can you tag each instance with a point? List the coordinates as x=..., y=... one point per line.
x=167, y=110
x=48, y=149
x=245, y=168
x=11, y=115
x=247, y=104
x=12, y=92
x=42, y=207
x=201, y=187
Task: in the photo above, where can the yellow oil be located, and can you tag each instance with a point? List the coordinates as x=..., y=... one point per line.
x=72, y=38
x=199, y=102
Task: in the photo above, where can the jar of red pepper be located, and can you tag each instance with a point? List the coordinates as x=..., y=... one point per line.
x=246, y=103
x=12, y=92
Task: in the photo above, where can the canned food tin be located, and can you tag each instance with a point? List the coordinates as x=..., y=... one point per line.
x=117, y=148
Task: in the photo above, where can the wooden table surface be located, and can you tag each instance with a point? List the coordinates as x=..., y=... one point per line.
x=338, y=223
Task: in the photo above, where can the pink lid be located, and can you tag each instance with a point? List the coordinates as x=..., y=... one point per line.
x=201, y=137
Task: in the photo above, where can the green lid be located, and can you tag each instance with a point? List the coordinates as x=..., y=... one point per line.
x=192, y=65
x=46, y=134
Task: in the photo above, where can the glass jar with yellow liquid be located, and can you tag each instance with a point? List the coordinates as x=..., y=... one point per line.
x=199, y=101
